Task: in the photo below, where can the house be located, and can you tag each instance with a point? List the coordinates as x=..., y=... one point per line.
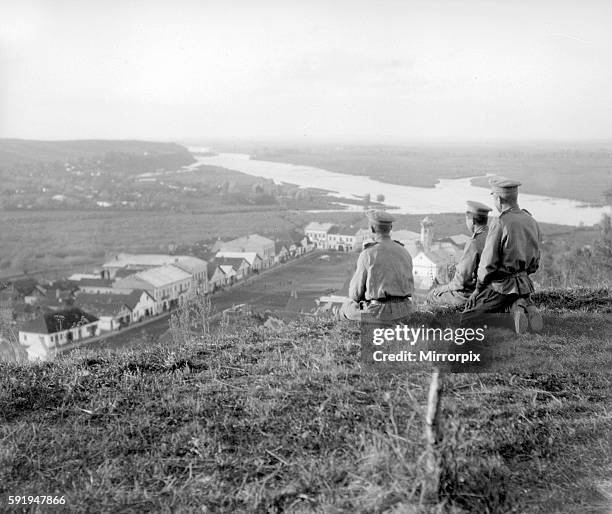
x=229, y=272
x=126, y=264
x=254, y=260
x=168, y=285
x=406, y=237
x=253, y=243
x=458, y=239
x=19, y=289
x=125, y=272
x=141, y=303
x=430, y=267
x=56, y=295
x=77, y=277
x=138, y=262
x=34, y=296
x=240, y=265
x=116, y=311
x=197, y=268
x=53, y=330
x=110, y=309
x=363, y=236
x=342, y=238
x=435, y=260
x=216, y=276
x=317, y=233
x=301, y=246
x=282, y=252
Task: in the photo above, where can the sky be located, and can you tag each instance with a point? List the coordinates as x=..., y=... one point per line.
x=375, y=71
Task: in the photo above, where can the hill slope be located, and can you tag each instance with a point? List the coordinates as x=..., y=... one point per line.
x=253, y=420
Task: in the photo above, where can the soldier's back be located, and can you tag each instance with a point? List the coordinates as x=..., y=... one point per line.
x=520, y=239
x=389, y=269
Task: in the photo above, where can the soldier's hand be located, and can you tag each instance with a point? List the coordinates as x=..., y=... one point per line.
x=442, y=289
x=471, y=301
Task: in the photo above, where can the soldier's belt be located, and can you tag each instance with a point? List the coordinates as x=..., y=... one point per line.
x=390, y=299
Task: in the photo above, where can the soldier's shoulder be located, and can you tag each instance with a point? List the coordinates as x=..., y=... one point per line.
x=395, y=241
x=526, y=211
x=370, y=245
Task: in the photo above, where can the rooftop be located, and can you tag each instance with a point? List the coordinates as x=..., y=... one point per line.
x=250, y=257
x=344, y=230
x=319, y=227
x=247, y=242
x=163, y=275
x=53, y=322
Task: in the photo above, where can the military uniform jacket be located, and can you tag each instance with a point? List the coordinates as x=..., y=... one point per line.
x=384, y=268
x=464, y=279
x=511, y=253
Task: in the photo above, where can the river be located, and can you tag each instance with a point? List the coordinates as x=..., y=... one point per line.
x=446, y=196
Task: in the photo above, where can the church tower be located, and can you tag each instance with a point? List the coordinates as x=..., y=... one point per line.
x=427, y=233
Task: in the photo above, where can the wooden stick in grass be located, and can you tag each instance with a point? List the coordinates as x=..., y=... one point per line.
x=433, y=437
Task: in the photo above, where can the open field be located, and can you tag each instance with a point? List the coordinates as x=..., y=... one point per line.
x=49, y=239
x=309, y=277
x=580, y=171
x=254, y=420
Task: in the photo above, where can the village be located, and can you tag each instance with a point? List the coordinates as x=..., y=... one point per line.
x=132, y=288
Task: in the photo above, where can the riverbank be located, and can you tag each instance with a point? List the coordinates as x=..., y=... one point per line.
x=574, y=170
x=447, y=195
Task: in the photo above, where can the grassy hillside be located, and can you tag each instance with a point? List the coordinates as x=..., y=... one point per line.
x=20, y=150
x=254, y=420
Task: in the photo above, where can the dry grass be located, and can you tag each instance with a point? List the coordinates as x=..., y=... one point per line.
x=253, y=420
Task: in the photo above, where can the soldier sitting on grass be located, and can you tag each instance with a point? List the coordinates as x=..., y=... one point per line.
x=510, y=255
x=460, y=288
x=382, y=285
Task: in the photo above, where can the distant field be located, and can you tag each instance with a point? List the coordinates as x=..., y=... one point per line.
x=576, y=171
x=47, y=239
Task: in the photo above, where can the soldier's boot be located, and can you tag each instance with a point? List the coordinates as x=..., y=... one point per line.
x=519, y=317
x=536, y=323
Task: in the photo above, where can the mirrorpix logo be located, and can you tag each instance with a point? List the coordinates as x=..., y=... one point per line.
x=422, y=344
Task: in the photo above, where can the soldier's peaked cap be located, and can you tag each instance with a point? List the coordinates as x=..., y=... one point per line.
x=379, y=217
x=477, y=208
x=503, y=186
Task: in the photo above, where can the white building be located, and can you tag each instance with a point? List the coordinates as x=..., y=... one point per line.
x=216, y=276
x=42, y=336
x=115, y=311
x=317, y=233
x=253, y=243
x=254, y=260
x=435, y=260
x=139, y=262
x=197, y=268
x=240, y=266
x=168, y=285
x=342, y=238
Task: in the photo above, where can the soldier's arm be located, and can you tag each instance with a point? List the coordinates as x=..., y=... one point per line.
x=467, y=265
x=491, y=255
x=535, y=263
x=357, y=286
